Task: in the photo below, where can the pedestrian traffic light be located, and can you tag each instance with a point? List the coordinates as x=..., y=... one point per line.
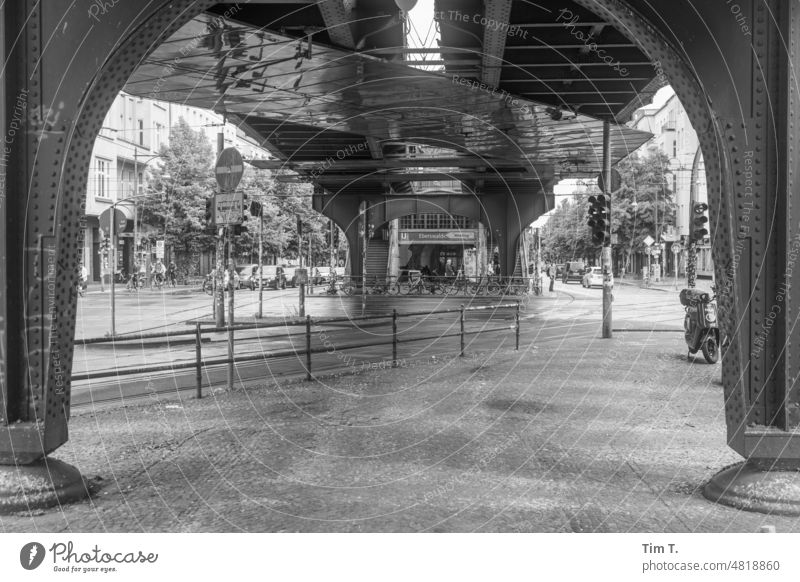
x=255, y=208
x=209, y=214
x=600, y=219
x=699, y=220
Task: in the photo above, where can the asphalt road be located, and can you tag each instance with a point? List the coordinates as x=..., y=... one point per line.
x=572, y=314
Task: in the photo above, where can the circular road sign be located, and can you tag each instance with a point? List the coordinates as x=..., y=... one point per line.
x=616, y=181
x=229, y=169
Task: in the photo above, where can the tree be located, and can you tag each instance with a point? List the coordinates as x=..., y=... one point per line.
x=175, y=204
x=643, y=206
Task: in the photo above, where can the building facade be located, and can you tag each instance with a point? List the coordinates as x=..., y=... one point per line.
x=128, y=144
x=674, y=135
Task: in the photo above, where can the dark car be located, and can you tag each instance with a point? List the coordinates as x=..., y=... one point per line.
x=273, y=277
x=573, y=271
x=245, y=275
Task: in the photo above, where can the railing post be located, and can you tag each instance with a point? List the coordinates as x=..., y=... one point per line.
x=230, y=357
x=516, y=324
x=461, y=353
x=394, y=338
x=308, y=347
x=198, y=359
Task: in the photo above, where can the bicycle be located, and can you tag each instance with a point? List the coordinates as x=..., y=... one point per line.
x=172, y=279
x=134, y=283
x=458, y=286
x=157, y=281
x=485, y=285
x=414, y=284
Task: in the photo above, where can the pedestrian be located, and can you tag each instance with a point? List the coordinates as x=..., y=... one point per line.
x=448, y=269
x=551, y=272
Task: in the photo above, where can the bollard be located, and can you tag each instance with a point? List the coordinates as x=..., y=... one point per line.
x=199, y=360
x=394, y=338
x=308, y=347
x=461, y=354
x=230, y=357
x=516, y=324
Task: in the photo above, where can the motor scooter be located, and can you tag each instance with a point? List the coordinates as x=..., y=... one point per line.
x=701, y=330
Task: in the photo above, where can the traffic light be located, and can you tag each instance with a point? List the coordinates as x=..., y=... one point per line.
x=239, y=229
x=600, y=219
x=209, y=214
x=699, y=220
x=255, y=208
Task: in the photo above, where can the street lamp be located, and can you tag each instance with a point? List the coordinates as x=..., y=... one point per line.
x=136, y=158
x=113, y=253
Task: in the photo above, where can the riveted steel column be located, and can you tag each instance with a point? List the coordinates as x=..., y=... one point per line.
x=57, y=89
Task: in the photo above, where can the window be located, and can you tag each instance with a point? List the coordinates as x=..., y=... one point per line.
x=435, y=222
x=159, y=135
x=102, y=178
x=674, y=148
x=141, y=132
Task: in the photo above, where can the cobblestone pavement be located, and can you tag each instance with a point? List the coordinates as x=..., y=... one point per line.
x=576, y=436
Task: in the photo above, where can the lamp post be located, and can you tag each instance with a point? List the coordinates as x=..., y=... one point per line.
x=113, y=253
x=136, y=158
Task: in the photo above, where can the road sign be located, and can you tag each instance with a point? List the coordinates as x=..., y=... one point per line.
x=120, y=220
x=677, y=248
x=159, y=249
x=229, y=208
x=616, y=181
x=648, y=240
x=229, y=169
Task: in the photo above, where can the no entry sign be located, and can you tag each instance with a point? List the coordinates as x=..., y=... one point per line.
x=229, y=169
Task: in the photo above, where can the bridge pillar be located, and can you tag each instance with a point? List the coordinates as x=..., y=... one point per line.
x=63, y=66
x=762, y=273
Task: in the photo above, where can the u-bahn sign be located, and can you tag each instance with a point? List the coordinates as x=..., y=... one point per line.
x=439, y=237
x=229, y=169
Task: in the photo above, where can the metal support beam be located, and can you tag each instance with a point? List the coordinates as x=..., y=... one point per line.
x=337, y=17
x=497, y=12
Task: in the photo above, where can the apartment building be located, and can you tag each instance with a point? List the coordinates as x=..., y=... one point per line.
x=128, y=144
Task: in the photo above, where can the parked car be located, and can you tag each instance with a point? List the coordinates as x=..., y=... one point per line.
x=573, y=271
x=322, y=275
x=594, y=277
x=289, y=273
x=273, y=277
x=245, y=276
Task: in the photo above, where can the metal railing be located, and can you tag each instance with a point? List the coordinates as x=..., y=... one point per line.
x=198, y=363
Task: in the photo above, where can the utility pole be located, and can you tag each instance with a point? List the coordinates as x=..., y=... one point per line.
x=608, y=282
x=219, y=280
x=302, y=285
x=691, y=251
x=260, y=261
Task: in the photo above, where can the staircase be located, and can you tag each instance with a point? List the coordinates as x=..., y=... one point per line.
x=377, y=258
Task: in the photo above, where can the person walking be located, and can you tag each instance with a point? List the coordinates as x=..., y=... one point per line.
x=551, y=272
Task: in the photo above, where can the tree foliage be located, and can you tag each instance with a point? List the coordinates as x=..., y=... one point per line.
x=644, y=205
x=179, y=185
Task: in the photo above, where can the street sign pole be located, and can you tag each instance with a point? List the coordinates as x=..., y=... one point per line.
x=608, y=284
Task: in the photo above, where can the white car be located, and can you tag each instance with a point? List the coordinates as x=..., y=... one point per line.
x=594, y=276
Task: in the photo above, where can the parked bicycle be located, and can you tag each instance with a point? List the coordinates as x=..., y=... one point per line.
x=486, y=285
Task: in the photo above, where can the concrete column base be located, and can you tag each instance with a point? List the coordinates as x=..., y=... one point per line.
x=746, y=486
x=41, y=484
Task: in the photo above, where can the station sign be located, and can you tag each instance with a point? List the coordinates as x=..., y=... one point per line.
x=229, y=208
x=439, y=237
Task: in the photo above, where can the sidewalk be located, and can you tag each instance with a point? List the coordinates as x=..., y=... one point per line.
x=665, y=284
x=566, y=435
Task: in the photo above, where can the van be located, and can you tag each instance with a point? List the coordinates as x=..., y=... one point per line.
x=573, y=271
